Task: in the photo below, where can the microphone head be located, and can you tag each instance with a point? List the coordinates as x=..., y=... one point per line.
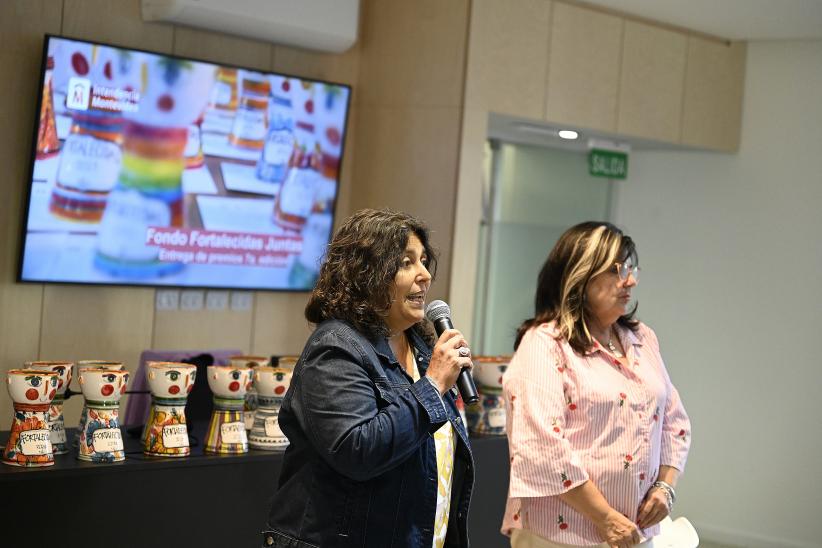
x=437, y=310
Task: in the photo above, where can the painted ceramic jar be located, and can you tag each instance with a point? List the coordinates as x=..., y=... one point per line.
x=271, y=384
x=101, y=439
x=250, y=405
x=29, y=442
x=193, y=152
x=91, y=157
x=296, y=197
x=251, y=120
x=487, y=416
x=226, y=430
x=149, y=193
x=56, y=423
x=487, y=372
x=279, y=140
x=331, y=107
x=166, y=432
x=224, y=93
x=48, y=143
x=83, y=365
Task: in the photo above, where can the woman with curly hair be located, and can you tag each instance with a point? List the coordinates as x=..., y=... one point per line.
x=378, y=455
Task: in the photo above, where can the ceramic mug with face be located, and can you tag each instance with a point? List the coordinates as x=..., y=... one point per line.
x=29, y=442
x=250, y=361
x=271, y=382
x=64, y=372
x=228, y=381
x=287, y=362
x=488, y=370
x=84, y=365
x=170, y=379
x=32, y=386
x=103, y=385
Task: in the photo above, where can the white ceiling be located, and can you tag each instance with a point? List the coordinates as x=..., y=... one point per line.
x=732, y=19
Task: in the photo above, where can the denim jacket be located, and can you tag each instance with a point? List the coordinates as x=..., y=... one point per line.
x=361, y=467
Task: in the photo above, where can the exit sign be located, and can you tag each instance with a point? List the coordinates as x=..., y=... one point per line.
x=608, y=163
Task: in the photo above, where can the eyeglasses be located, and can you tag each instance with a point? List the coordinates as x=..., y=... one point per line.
x=626, y=269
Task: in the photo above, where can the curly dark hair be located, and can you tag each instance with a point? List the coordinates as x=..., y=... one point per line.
x=359, y=267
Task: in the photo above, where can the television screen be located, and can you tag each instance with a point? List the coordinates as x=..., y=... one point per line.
x=156, y=170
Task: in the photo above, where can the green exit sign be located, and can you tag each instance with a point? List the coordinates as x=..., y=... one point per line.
x=608, y=163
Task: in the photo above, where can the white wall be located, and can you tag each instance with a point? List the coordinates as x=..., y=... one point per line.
x=731, y=251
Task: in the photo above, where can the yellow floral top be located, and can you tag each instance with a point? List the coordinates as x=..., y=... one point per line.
x=445, y=442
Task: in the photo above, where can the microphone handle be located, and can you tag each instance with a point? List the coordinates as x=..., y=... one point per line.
x=465, y=382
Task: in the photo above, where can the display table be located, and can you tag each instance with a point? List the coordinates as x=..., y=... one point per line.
x=200, y=500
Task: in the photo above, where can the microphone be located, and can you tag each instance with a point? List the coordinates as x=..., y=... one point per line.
x=439, y=313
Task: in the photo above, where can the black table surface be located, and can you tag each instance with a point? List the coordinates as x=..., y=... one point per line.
x=199, y=500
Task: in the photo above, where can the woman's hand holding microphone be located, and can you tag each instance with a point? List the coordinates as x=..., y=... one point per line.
x=451, y=354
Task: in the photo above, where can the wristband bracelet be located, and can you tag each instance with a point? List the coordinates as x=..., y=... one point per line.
x=667, y=487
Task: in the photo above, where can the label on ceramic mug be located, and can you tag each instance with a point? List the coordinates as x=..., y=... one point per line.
x=175, y=435
x=221, y=94
x=58, y=432
x=107, y=440
x=89, y=164
x=193, y=142
x=35, y=442
x=278, y=147
x=250, y=124
x=233, y=432
x=496, y=418
x=272, y=427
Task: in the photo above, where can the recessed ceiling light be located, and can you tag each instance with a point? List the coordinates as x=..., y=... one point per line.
x=568, y=134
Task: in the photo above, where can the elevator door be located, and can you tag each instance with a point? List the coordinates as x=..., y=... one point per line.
x=535, y=194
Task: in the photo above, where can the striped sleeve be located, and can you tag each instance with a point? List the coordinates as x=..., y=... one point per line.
x=676, y=426
x=542, y=461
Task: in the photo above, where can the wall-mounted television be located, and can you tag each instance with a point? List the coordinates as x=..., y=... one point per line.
x=157, y=170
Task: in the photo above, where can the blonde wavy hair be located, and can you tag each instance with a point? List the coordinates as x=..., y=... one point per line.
x=582, y=252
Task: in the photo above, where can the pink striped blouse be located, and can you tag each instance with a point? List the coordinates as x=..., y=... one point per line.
x=571, y=418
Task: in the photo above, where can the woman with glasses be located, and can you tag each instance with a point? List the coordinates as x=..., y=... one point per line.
x=597, y=433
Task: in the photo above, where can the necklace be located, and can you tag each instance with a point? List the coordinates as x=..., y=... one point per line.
x=612, y=347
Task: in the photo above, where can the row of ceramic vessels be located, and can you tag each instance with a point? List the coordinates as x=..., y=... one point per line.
x=487, y=416
x=38, y=393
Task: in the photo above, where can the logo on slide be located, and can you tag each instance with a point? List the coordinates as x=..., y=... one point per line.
x=79, y=92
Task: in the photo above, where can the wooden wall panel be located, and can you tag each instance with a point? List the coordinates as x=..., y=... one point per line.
x=407, y=160
x=280, y=327
x=115, y=22
x=22, y=25
x=653, y=72
x=714, y=85
x=413, y=53
x=202, y=329
x=91, y=323
x=508, y=57
x=342, y=68
x=583, y=67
